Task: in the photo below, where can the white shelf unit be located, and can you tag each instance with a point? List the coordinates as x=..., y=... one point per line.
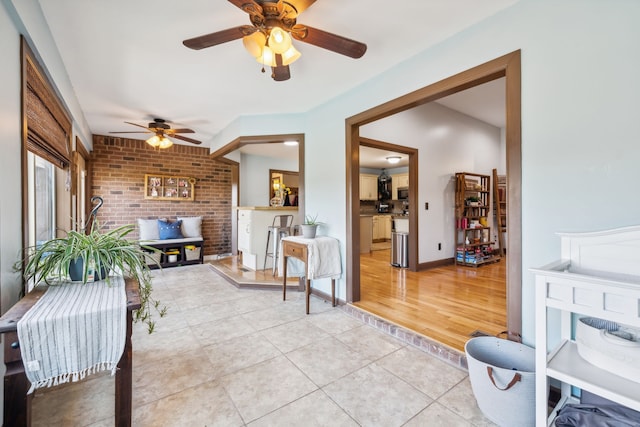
x=598, y=276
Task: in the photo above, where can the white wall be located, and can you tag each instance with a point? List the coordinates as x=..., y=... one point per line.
x=447, y=142
x=10, y=141
x=255, y=179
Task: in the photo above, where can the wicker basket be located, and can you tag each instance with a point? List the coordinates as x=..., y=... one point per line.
x=153, y=258
x=192, y=254
x=502, y=375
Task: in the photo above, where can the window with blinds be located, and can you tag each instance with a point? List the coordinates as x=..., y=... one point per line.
x=48, y=123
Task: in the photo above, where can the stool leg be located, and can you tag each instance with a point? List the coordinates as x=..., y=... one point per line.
x=266, y=251
x=276, y=246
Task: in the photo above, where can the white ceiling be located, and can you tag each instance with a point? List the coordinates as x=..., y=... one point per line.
x=126, y=61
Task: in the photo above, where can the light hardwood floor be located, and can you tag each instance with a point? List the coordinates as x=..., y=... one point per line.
x=447, y=303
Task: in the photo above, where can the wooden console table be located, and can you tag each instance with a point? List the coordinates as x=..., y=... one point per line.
x=17, y=403
x=322, y=253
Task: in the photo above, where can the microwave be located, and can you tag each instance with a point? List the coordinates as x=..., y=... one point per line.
x=403, y=193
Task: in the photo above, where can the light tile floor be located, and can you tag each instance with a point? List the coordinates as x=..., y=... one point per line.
x=239, y=357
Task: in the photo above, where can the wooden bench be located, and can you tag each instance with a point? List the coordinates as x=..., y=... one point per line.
x=187, y=251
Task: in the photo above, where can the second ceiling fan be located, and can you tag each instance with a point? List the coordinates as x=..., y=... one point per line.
x=161, y=130
x=268, y=39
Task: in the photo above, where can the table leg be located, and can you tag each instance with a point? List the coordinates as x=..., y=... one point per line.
x=124, y=380
x=308, y=292
x=17, y=403
x=333, y=292
x=284, y=278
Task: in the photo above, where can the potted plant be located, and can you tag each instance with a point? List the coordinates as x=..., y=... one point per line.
x=310, y=226
x=91, y=256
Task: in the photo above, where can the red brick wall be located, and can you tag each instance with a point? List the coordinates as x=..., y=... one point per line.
x=118, y=169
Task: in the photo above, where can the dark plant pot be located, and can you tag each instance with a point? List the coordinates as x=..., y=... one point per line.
x=76, y=268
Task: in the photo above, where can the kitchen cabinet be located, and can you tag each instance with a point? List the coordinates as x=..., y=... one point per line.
x=252, y=232
x=474, y=246
x=381, y=227
x=368, y=187
x=596, y=276
x=398, y=181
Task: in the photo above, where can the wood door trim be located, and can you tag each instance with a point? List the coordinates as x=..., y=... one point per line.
x=507, y=66
x=413, y=196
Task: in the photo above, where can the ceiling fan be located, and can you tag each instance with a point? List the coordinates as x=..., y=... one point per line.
x=268, y=39
x=161, y=131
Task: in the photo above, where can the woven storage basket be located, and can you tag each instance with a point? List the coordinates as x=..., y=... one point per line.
x=153, y=258
x=192, y=254
x=502, y=375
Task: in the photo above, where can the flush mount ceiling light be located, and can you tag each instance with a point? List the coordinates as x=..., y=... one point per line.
x=393, y=159
x=291, y=143
x=268, y=38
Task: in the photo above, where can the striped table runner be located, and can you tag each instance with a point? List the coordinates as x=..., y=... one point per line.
x=74, y=330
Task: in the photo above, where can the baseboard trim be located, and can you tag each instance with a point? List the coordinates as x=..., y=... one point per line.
x=435, y=264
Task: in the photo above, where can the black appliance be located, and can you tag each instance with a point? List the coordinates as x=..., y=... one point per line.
x=384, y=186
x=384, y=208
x=403, y=193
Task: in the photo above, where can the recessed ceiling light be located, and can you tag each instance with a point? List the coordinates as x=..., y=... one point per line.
x=393, y=159
x=291, y=143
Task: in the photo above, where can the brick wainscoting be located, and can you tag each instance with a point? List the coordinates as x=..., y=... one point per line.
x=118, y=169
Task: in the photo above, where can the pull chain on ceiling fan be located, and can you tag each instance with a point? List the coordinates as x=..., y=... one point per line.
x=162, y=131
x=268, y=39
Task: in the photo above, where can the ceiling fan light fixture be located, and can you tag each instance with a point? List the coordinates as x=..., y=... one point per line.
x=393, y=159
x=267, y=57
x=154, y=141
x=159, y=141
x=254, y=43
x=165, y=142
x=290, y=55
x=279, y=40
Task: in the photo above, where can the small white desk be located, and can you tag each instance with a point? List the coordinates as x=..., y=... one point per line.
x=321, y=258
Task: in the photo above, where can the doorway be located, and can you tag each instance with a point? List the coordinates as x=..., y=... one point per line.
x=270, y=142
x=507, y=66
x=412, y=154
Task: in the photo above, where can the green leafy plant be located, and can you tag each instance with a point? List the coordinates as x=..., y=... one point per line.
x=108, y=251
x=311, y=220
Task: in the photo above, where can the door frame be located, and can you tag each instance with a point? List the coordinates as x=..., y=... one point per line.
x=508, y=66
x=412, y=154
x=241, y=141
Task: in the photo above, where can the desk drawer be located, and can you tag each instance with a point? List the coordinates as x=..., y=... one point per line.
x=295, y=250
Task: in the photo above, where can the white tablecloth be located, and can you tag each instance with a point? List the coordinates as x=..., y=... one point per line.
x=323, y=256
x=74, y=330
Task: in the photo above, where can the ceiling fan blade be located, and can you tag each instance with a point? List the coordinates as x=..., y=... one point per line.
x=329, y=41
x=280, y=72
x=140, y=126
x=219, y=37
x=301, y=5
x=138, y=131
x=172, y=131
x=249, y=6
x=184, y=138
